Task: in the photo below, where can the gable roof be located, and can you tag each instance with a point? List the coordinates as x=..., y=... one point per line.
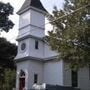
x=31, y=3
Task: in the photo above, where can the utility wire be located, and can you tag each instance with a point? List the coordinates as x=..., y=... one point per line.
x=69, y=13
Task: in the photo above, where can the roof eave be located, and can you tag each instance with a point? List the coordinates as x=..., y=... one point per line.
x=33, y=8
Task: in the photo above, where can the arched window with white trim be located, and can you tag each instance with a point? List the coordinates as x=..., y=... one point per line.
x=21, y=80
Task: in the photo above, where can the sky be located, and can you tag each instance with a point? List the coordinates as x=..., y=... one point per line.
x=13, y=33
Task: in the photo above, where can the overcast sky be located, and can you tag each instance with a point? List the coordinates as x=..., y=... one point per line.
x=48, y=4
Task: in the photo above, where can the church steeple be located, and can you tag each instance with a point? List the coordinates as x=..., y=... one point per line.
x=31, y=4
x=31, y=29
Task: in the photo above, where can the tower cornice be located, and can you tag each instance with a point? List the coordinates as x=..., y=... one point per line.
x=29, y=36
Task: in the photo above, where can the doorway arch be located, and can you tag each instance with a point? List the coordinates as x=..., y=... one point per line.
x=21, y=80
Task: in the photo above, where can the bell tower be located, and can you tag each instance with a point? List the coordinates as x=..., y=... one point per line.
x=30, y=42
x=31, y=28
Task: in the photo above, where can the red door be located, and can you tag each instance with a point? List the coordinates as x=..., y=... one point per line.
x=21, y=83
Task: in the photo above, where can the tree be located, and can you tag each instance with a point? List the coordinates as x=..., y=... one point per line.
x=7, y=54
x=7, y=50
x=5, y=11
x=9, y=79
x=71, y=33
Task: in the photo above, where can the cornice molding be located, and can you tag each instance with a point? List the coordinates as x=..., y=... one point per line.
x=32, y=26
x=35, y=58
x=29, y=36
x=33, y=8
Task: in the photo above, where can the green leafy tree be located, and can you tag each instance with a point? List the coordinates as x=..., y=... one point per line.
x=5, y=11
x=7, y=64
x=71, y=33
x=7, y=50
x=9, y=80
x=7, y=53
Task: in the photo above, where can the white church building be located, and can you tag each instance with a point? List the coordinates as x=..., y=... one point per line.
x=36, y=62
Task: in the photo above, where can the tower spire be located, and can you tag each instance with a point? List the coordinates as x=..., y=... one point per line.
x=31, y=3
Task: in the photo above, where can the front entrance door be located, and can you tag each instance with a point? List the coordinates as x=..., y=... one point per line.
x=21, y=83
